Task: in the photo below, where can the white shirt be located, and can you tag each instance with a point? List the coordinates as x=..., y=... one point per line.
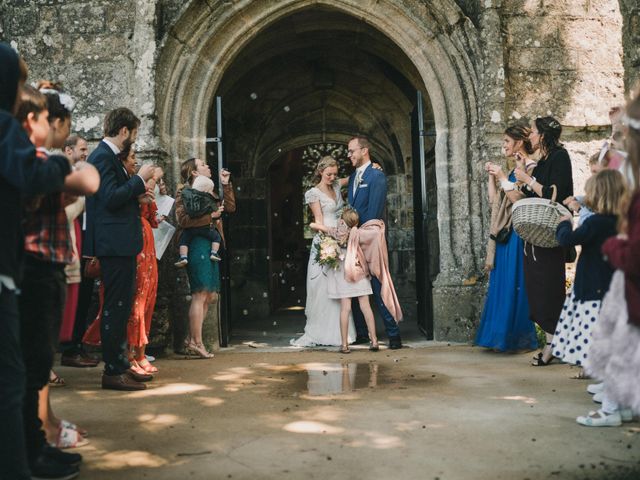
x=114, y=148
x=359, y=173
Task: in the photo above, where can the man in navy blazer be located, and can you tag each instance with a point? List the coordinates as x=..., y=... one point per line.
x=114, y=235
x=368, y=195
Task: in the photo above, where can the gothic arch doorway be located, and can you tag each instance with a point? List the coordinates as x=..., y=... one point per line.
x=297, y=73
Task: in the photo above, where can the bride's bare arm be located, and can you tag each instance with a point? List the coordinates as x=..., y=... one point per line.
x=319, y=227
x=316, y=209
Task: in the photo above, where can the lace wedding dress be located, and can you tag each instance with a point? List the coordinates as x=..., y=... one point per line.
x=323, y=313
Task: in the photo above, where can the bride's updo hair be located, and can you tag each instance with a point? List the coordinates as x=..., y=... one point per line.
x=323, y=164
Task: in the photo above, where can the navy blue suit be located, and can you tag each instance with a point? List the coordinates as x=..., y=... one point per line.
x=114, y=235
x=369, y=201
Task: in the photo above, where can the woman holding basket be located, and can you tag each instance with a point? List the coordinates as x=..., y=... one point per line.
x=544, y=268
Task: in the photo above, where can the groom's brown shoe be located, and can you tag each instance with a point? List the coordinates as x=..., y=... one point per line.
x=122, y=382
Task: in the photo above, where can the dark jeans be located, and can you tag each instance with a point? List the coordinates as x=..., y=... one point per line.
x=13, y=456
x=390, y=325
x=210, y=233
x=119, y=280
x=41, y=304
x=74, y=346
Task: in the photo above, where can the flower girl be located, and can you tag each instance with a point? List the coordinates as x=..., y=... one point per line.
x=340, y=288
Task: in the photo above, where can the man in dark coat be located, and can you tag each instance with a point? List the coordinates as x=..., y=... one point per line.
x=114, y=235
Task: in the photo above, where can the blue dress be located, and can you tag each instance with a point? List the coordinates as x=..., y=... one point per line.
x=204, y=274
x=505, y=323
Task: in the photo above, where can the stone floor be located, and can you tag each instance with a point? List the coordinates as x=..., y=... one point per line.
x=435, y=412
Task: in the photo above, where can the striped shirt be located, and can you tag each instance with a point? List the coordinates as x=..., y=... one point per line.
x=46, y=228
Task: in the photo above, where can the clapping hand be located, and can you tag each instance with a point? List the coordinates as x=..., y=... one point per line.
x=495, y=170
x=146, y=171
x=225, y=175
x=572, y=204
x=522, y=176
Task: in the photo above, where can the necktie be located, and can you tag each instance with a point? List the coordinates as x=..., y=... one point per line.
x=357, y=182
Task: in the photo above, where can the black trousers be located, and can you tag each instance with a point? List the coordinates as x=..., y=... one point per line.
x=85, y=293
x=13, y=457
x=41, y=305
x=119, y=280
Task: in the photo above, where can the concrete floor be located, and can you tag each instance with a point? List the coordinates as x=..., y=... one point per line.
x=438, y=412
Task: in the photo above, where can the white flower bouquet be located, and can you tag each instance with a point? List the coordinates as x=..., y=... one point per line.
x=329, y=252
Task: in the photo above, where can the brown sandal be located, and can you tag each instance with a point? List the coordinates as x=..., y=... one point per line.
x=344, y=349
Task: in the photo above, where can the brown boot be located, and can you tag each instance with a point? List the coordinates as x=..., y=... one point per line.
x=122, y=382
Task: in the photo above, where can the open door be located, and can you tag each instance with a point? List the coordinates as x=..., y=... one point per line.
x=224, y=299
x=421, y=221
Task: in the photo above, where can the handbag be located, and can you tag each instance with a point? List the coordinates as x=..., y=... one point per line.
x=502, y=236
x=92, y=268
x=535, y=220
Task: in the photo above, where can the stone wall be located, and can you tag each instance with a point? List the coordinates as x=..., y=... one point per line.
x=630, y=10
x=553, y=58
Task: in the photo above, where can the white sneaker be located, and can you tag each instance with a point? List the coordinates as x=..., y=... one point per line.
x=600, y=419
x=598, y=397
x=595, y=388
x=150, y=358
x=626, y=414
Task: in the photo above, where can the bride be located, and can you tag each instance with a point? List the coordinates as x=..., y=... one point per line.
x=323, y=313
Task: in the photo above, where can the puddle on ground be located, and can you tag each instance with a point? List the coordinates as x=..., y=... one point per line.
x=327, y=379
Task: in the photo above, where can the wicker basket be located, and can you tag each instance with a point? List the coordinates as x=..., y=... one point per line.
x=535, y=220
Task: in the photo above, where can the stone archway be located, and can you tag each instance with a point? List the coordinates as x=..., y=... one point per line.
x=438, y=41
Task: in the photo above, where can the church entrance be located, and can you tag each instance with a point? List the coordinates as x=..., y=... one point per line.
x=294, y=74
x=300, y=90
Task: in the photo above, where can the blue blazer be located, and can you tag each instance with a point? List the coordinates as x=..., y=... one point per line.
x=113, y=213
x=371, y=195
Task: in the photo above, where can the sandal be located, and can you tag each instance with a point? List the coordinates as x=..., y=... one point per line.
x=199, y=350
x=374, y=347
x=55, y=380
x=538, y=360
x=69, y=438
x=344, y=349
x=146, y=366
x=73, y=426
x=581, y=375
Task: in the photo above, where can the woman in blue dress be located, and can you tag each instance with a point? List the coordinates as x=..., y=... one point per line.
x=505, y=324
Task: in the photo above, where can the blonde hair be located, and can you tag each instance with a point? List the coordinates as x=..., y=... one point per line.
x=350, y=217
x=604, y=192
x=323, y=164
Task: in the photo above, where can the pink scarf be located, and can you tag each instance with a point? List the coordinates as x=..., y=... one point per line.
x=367, y=255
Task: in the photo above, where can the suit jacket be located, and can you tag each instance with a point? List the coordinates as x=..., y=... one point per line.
x=113, y=213
x=371, y=195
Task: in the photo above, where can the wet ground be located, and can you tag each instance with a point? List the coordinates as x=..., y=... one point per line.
x=440, y=412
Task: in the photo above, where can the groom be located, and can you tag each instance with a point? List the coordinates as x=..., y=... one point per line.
x=367, y=195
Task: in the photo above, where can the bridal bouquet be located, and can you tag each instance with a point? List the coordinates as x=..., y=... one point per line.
x=329, y=252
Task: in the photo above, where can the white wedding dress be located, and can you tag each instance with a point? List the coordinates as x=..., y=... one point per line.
x=323, y=313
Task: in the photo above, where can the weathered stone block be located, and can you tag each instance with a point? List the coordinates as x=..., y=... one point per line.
x=457, y=321
x=83, y=18
x=22, y=20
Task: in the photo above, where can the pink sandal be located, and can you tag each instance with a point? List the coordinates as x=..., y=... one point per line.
x=69, y=438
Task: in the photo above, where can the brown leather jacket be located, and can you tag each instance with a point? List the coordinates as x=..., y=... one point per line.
x=185, y=221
